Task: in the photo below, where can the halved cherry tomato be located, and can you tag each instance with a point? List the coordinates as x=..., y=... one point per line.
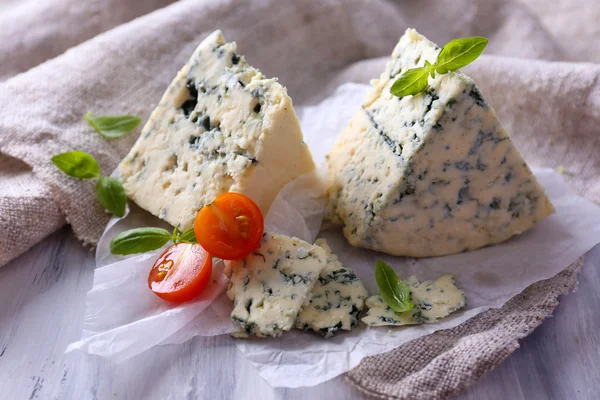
x=181, y=272
x=231, y=227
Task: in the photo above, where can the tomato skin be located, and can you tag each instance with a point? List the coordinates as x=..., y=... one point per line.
x=231, y=227
x=181, y=272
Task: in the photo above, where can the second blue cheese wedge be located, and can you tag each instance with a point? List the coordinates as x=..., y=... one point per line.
x=433, y=300
x=430, y=174
x=269, y=287
x=221, y=126
x=336, y=301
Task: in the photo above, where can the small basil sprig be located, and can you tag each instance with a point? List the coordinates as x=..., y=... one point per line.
x=459, y=53
x=411, y=82
x=141, y=240
x=187, y=237
x=111, y=195
x=112, y=126
x=77, y=164
x=393, y=290
x=109, y=191
x=456, y=54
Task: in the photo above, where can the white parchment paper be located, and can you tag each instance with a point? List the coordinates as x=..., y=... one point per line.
x=124, y=318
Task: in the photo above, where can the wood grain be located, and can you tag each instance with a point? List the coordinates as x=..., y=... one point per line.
x=43, y=295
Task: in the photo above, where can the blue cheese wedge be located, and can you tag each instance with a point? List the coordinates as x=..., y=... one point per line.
x=430, y=174
x=221, y=126
x=336, y=301
x=433, y=300
x=269, y=287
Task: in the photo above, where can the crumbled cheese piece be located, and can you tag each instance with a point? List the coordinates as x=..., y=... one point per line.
x=433, y=300
x=336, y=299
x=270, y=286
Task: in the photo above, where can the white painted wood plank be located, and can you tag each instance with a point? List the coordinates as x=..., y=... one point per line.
x=43, y=295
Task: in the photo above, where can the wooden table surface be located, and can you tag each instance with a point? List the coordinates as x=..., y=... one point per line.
x=42, y=297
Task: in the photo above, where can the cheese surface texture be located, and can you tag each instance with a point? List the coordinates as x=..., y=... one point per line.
x=269, y=287
x=221, y=126
x=430, y=174
x=432, y=301
x=336, y=299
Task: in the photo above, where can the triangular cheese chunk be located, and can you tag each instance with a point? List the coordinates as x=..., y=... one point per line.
x=221, y=126
x=430, y=174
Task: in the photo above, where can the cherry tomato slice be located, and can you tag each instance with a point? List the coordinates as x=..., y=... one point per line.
x=181, y=272
x=231, y=227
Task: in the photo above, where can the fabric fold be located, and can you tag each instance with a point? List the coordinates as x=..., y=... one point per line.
x=28, y=212
x=51, y=27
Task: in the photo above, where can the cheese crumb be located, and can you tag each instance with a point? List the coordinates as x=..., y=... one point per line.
x=563, y=171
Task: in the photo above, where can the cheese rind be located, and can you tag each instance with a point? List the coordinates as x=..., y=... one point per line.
x=220, y=126
x=269, y=287
x=433, y=300
x=336, y=301
x=430, y=174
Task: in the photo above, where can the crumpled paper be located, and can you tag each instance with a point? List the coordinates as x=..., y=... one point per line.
x=489, y=276
x=124, y=318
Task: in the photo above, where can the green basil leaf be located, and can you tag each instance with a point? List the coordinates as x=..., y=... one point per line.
x=412, y=82
x=431, y=69
x=459, y=52
x=112, y=126
x=112, y=196
x=188, y=236
x=139, y=240
x=77, y=164
x=393, y=290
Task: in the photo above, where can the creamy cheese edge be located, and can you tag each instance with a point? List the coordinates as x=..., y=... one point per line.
x=221, y=126
x=430, y=174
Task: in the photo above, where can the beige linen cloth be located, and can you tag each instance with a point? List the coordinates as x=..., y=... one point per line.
x=62, y=58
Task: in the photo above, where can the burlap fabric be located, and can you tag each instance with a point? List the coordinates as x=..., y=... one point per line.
x=444, y=363
x=111, y=66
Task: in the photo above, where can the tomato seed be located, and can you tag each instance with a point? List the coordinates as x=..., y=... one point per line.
x=166, y=266
x=161, y=275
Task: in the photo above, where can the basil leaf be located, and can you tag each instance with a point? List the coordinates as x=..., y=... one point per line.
x=459, y=52
x=188, y=236
x=412, y=82
x=112, y=196
x=112, y=126
x=431, y=69
x=139, y=240
x=77, y=164
x=393, y=290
